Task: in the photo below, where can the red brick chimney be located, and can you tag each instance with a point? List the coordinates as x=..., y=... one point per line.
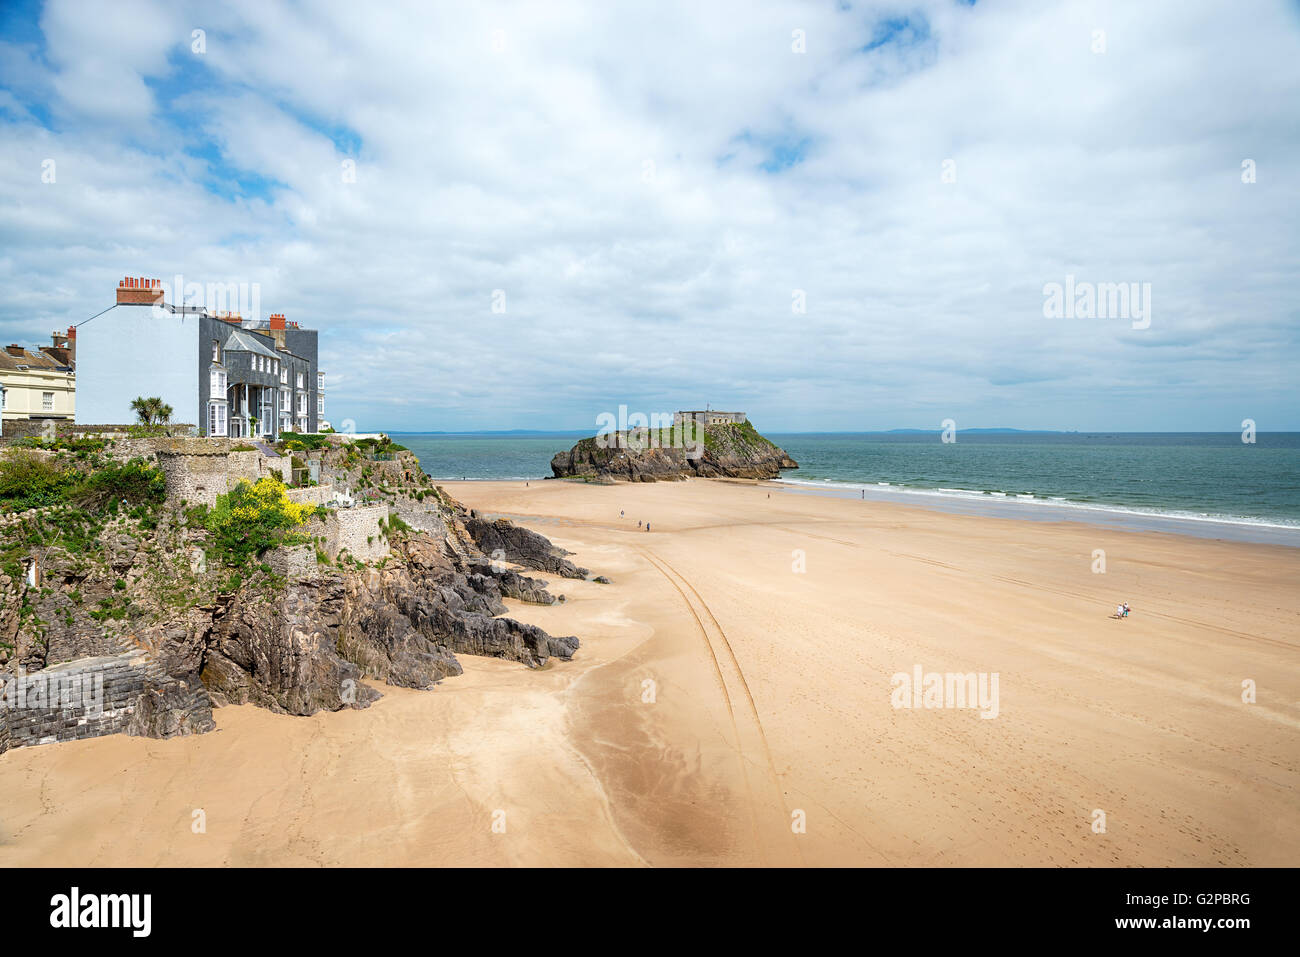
x=138, y=291
x=277, y=320
x=15, y=350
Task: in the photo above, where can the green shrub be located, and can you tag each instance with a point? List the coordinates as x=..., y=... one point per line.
x=133, y=482
x=250, y=519
x=29, y=480
x=308, y=442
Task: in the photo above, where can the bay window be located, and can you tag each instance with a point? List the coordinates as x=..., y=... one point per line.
x=216, y=418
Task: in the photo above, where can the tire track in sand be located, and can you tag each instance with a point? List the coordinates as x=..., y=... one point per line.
x=747, y=729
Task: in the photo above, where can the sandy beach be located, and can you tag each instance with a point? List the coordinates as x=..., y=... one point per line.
x=731, y=705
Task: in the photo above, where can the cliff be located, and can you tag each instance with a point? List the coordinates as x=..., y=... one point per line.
x=650, y=455
x=140, y=618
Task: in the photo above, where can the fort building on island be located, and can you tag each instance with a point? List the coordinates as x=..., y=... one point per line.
x=709, y=417
x=227, y=375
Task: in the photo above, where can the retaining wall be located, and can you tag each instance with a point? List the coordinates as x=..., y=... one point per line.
x=196, y=477
x=357, y=531
x=86, y=698
x=311, y=495
x=293, y=561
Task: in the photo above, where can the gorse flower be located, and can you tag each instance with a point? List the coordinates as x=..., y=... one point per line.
x=253, y=517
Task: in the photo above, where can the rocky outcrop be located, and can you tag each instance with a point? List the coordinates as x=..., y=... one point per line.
x=293, y=637
x=503, y=539
x=641, y=455
x=284, y=655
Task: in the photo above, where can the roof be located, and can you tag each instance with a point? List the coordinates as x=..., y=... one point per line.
x=246, y=342
x=33, y=361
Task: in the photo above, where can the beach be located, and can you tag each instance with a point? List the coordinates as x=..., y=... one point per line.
x=733, y=702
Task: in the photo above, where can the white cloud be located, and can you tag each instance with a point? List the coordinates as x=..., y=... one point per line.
x=525, y=170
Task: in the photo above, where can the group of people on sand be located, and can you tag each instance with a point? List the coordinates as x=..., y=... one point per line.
x=1121, y=611
x=638, y=524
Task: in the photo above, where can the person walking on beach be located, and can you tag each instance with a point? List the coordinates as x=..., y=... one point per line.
x=1119, y=611
x=638, y=523
x=647, y=526
x=1126, y=609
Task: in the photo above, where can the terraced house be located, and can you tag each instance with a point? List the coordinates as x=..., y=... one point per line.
x=229, y=376
x=40, y=383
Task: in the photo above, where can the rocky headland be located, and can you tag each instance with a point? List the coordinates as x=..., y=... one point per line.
x=126, y=608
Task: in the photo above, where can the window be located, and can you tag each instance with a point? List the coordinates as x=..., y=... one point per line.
x=257, y=363
x=302, y=403
x=284, y=375
x=47, y=401
x=320, y=382
x=320, y=404
x=217, y=383
x=285, y=404
x=300, y=381
x=216, y=418
x=216, y=351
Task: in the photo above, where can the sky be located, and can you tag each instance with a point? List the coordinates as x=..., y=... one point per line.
x=832, y=216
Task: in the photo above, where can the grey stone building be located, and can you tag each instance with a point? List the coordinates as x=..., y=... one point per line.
x=709, y=417
x=231, y=376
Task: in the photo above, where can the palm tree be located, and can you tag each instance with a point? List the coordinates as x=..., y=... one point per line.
x=151, y=411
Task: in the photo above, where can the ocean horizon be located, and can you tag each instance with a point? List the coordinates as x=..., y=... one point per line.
x=1200, y=483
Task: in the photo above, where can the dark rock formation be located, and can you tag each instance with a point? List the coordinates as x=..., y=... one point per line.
x=521, y=546
x=715, y=451
x=283, y=655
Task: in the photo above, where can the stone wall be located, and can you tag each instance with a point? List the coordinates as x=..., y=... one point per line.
x=293, y=561
x=196, y=477
x=311, y=495
x=347, y=438
x=38, y=429
x=198, y=470
x=85, y=698
x=25, y=429
x=254, y=465
x=357, y=531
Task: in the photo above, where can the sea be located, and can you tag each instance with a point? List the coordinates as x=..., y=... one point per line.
x=1210, y=484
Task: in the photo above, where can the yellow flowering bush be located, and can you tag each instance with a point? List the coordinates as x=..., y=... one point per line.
x=253, y=517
